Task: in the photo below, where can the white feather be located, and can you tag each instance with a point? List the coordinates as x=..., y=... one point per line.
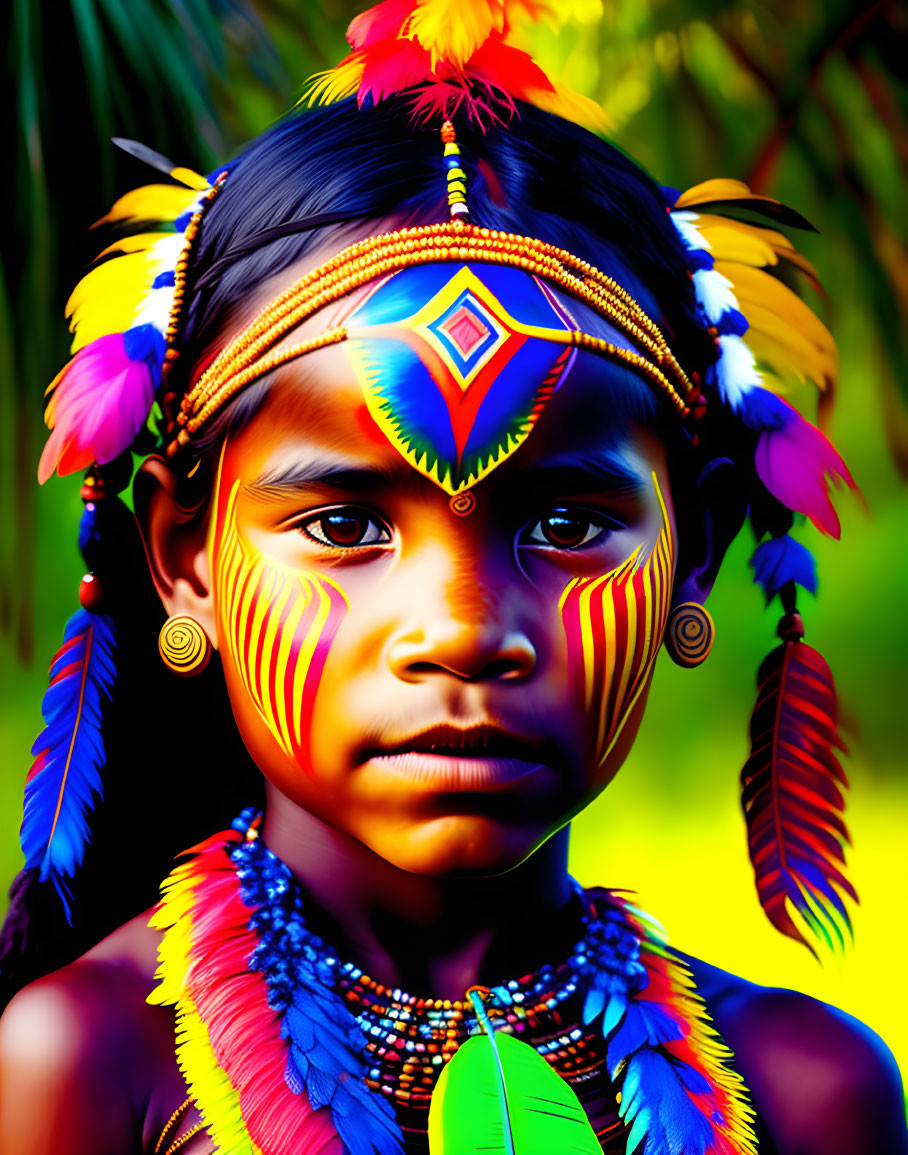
x=736, y=371
x=155, y=309
x=686, y=226
x=715, y=294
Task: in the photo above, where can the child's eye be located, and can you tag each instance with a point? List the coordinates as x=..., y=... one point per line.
x=345, y=527
x=568, y=529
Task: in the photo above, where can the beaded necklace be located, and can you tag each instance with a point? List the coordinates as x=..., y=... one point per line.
x=284, y=1046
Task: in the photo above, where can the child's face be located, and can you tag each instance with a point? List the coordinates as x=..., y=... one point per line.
x=448, y=689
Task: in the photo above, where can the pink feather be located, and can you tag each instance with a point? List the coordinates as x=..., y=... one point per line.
x=99, y=403
x=794, y=462
x=244, y=1030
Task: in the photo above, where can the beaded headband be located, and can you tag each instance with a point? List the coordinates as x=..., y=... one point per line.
x=249, y=355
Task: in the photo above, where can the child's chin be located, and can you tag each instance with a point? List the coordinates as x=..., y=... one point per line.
x=459, y=845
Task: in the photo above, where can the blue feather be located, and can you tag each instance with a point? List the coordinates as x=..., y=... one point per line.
x=654, y=1101
x=65, y=778
x=781, y=560
x=326, y=1045
x=645, y=1024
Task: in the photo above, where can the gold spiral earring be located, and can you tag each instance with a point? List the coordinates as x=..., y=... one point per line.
x=184, y=646
x=690, y=634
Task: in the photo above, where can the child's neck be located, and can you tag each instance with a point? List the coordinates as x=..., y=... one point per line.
x=428, y=936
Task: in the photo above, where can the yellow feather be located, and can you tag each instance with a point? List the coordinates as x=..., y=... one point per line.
x=151, y=202
x=108, y=297
x=573, y=106
x=335, y=84
x=189, y=178
x=454, y=37
x=724, y=236
x=137, y=243
x=753, y=287
x=787, y=351
x=718, y=189
x=729, y=243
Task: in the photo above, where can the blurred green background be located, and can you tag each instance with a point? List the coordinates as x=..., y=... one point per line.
x=801, y=98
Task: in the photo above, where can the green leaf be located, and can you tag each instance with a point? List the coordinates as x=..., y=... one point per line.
x=498, y=1094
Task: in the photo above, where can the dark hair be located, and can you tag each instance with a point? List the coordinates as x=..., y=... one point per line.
x=537, y=175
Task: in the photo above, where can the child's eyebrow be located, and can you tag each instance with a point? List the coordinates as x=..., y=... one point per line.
x=315, y=473
x=581, y=473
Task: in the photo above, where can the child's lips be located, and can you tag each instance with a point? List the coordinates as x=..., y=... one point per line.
x=466, y=759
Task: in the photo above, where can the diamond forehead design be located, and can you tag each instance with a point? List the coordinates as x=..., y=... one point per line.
x=467, y=334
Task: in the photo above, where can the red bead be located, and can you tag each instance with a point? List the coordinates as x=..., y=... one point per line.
x=91, y=592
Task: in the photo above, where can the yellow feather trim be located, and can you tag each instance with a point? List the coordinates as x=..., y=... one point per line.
x=707, y=1043
x=137, y=243
x=729, y=240
x=715, y=1056
x=109, y=296
x=211, y=1090
x=787, y=352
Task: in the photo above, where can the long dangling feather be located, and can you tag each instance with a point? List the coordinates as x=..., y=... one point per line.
x=498, y=1095
x=65, y=778
x=792, y=795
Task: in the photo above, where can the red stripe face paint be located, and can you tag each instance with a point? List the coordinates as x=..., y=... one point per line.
x=276, y=624
x=614, y=625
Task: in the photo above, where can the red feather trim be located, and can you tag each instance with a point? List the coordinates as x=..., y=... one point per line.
x=790, y=793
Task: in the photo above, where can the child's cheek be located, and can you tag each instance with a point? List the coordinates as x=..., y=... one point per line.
x=277, y=625
x=614, y=626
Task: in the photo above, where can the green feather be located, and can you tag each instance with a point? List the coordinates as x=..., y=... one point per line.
x=498, y=1094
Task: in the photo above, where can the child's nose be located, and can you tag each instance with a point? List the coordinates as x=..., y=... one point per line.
x=469, y=628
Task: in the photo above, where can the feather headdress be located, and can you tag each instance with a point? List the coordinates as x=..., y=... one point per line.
x=121, y=315
x=450, y=63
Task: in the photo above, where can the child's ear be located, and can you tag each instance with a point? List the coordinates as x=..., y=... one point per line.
x=176, y=546
x=709, y=516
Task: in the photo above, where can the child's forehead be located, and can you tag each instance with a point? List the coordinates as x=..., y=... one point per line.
x=317, y=427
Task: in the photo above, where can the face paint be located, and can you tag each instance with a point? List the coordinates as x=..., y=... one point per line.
x=455, y=380
x=614, y=626
x=276, y=624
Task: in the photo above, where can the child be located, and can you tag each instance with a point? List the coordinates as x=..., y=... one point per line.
x=454, y=423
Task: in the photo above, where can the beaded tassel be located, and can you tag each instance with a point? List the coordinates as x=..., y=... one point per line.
x=457, y=178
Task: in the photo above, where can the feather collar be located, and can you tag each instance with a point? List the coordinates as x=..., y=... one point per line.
x=276, y=1063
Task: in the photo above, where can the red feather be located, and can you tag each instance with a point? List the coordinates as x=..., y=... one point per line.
x=791, y=796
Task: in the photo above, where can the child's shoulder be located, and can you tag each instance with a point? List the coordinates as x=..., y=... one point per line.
x=821, y=1080
x=82, y=1053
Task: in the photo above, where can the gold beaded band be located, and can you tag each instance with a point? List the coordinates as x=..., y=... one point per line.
x=180, y=273
x=247, y=355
